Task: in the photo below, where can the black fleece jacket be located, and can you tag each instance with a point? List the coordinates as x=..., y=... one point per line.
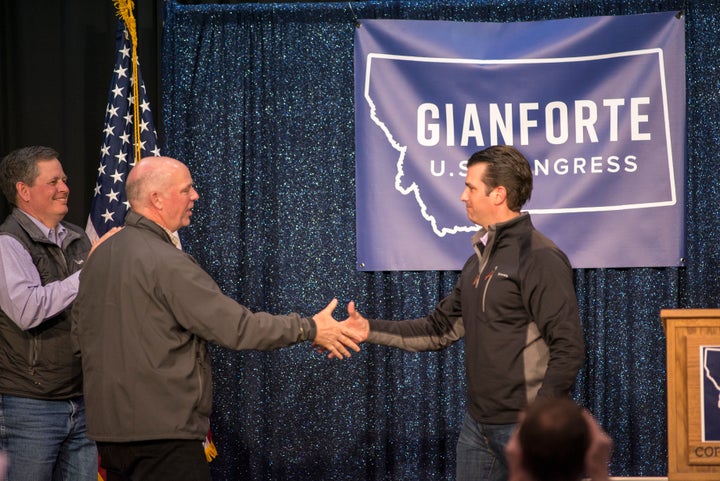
x=516, y=307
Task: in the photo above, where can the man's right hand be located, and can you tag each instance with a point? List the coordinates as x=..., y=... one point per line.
x=355, y=326
x=333, y=336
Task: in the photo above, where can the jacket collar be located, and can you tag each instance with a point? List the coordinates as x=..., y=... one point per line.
x=141, y=222
x=34, y=232
x=495, y=232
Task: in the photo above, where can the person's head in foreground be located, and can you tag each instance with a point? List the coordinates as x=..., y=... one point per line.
x=558, y=440
x=554, y=438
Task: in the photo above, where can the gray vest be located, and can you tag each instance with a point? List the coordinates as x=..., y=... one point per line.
x=39, y=363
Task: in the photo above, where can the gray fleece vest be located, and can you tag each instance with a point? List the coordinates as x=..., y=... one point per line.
x=39, y=363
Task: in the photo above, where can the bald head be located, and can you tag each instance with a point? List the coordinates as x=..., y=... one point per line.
x=161, y=189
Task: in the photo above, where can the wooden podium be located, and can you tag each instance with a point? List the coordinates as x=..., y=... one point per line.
x=693, y=393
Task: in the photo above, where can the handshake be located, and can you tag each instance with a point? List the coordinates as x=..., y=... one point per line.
x=337, y=338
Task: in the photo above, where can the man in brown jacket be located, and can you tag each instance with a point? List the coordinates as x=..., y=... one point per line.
x=144, y=313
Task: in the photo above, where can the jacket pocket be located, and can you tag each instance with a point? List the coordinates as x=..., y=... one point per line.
x=203, y=371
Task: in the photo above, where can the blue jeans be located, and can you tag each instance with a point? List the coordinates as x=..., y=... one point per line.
x=481, y=451
x=46, y=441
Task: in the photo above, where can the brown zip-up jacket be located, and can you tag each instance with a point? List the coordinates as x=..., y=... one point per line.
x=143, y=315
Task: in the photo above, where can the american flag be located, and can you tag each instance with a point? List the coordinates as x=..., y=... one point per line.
x=117, y=154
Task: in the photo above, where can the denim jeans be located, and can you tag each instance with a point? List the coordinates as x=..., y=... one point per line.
x=481, y=451
x=46, y=441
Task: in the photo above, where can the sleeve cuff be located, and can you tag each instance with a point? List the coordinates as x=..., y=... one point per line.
x=312, y=330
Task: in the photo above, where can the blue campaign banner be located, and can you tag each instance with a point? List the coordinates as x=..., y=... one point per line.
x=596, y=104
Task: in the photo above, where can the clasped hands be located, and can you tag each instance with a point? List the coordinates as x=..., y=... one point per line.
x=337, y=338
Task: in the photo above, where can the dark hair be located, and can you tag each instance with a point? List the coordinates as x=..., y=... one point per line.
x=21, y=166
x=554, y=437
x=506, y=166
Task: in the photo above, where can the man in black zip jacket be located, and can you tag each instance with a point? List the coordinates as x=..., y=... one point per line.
x=514, y=304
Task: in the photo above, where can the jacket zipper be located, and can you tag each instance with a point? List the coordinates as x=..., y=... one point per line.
x=488, y=278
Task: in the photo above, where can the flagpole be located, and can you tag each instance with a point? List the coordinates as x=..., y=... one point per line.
x=125, y=11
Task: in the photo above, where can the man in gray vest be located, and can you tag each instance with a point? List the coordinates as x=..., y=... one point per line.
x=42, y=412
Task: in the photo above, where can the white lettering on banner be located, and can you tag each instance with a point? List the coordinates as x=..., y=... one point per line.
x=500, y=123
x=613, y=164
x=579, y=165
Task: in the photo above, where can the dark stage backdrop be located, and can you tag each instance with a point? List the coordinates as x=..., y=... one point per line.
x=258, y=100
x=56, y=61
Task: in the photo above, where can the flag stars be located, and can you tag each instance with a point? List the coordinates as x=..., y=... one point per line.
x=108, y=216
x=109, y=204
x=112, y=111
x=113, y=196
x=117, y=177
x=121, y=72
x=117, y=91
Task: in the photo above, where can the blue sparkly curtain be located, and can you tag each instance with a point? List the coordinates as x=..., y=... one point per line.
x=258, y=101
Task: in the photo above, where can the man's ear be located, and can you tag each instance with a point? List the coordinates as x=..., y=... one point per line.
x=499, y=195
x=156, y=200
x=23, y=191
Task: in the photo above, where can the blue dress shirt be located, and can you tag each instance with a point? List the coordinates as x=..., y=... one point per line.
x=22, y=296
